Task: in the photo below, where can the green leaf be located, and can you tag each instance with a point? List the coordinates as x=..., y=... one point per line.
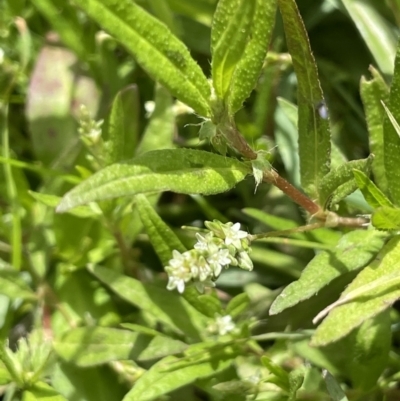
x=98, y=383
x=371, y=292
x=155, y=48
x=281, y=376
x=373, y=92
x=386, y=218
x=354, y=251
x=340, y=182
x=238, y=304
x=391, y=140
x=91, y=346
x=361, y=356
x=240, y=35
x=314, y=132
x=42, y=391
x=13, y=286
x=161, y=236
x=333, y=387
x=171, y=373
x=121, y=133
x=161, y=127
x=376, y=32
x=371, y=192
x=249, y=67
x=165, y=306
x=230, y=30
x=53, y=200
x=180, y=170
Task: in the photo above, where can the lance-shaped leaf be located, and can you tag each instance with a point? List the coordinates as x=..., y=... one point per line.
x=165, y=306
x=391, y=140
x=241, y=32
x=386, y=218
x=375, y=30
x=340, y=182
x=180, y=170
x=354, y=251
x=314, y=132
x=375, y=289
x=172, y=373
x=373, y=92
x=122, y=126
x=91, y=346
x=371, y=192
x=161, y=236
x=155, y=48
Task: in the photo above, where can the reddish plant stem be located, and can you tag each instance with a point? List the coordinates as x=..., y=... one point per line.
x=239, y=143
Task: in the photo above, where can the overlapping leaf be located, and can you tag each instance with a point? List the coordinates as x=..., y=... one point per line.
x=180, y=170
x=156, y=49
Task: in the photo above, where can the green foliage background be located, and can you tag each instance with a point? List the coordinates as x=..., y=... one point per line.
x=84, y=313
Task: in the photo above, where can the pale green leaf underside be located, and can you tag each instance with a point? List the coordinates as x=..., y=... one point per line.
x=179, y=170
x=314, y=132
x=375, y=299
x=355, y=250
x=386, y=218
x=156, y=49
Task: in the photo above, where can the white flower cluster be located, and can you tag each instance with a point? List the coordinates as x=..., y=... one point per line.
x=221, y=325
x=223, y=245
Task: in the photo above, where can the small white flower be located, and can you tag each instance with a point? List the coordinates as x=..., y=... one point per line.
x=218, y=258
x=202, y=243
x=222, y=325
x=233, y=235
x=201, y=269
x=179, y=270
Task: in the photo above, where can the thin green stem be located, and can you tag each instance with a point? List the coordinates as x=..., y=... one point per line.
x=295, y=230
x=16, y=232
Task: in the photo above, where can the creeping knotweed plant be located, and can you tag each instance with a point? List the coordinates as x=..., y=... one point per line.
x=223, y=245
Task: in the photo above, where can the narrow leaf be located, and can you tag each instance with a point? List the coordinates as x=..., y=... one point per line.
x=121, y=133
x=314, y=132
x=333, y=387
x=230, y=30
x=13, y=286
x=53, y=200
x=161, y=236
x=248, y=69
x=363, y=304
x=165, y=306
x=155, y=48
x=340, y=182
x=373, y=92
x=371, y=192
x=386, y=218
x=391, y=140
x=171, y=373
x=354, y=251
x=180, y=170
x=376, y=32
x=91, y=346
